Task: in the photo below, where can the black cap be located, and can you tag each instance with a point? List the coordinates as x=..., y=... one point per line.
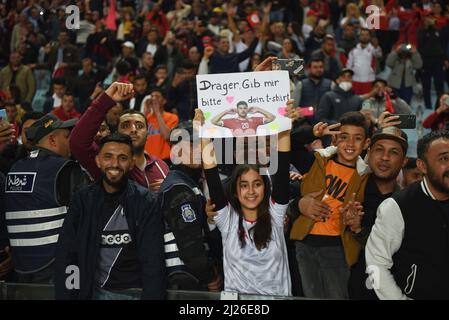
x=344, y=70
x=380, y=80
x=46, y=125
x=180, y=132
x=391, y=133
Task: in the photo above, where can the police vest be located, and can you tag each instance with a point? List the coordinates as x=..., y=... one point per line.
x=183, y=236
x=421, y=264
x=33, y=213
x=311, y=93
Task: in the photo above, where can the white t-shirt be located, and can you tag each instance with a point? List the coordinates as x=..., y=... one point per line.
x=56, y=100
x=248, y=270
x=151, y=48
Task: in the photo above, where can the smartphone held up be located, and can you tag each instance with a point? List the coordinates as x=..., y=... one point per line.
x=407, y=121
x=295, y=67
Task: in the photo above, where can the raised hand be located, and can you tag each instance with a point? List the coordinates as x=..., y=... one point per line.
x=210, y=211
x=324, y=129
x=292, y=112
x=386, y=119
x=119, y=91
x=208, y=51
x=265, y=65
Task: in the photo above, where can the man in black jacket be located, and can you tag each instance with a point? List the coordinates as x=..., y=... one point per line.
x=113, y=235
x=340, y=100
x=431, y=46
x=221, y=61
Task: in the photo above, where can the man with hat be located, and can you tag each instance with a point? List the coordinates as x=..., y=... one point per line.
x=128, y=55
x=340, y=100
x=386, y=157
x=383, y=99
x=189, y=266
x=407, y=252
x=38, y=191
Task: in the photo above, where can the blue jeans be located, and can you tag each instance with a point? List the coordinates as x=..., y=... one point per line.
x=102, y=294
x=323, y=270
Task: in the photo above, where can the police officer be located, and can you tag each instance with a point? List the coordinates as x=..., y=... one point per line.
x=188, y=260
x=38, y=190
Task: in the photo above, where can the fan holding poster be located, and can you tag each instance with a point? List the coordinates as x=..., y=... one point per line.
x=243, y=104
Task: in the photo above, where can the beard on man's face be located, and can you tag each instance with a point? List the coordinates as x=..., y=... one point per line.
x=437, y=182
x=117, y=184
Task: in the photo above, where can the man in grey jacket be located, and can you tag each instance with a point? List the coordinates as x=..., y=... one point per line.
x=403, y=61
x=381, y=96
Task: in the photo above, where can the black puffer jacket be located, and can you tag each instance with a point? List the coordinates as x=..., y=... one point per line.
x=336, y=103
x=80, y=238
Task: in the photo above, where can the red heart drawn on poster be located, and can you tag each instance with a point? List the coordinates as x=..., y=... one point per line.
x=229, y=99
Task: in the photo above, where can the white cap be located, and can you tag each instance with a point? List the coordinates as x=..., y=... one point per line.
x=128, y=44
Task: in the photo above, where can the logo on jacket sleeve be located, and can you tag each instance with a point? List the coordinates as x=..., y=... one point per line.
x=20, y=182
x=188, y=214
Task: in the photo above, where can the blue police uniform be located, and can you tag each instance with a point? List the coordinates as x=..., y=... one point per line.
x=33, y=212
x=186, y=252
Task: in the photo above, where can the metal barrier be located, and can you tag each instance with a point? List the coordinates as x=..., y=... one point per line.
x=21, y=291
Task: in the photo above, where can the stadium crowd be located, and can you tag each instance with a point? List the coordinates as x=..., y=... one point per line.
x=92, y=174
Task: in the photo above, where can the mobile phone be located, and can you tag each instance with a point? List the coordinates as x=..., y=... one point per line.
x=295, y=67
x=408, y=121
x=307, y=111
x=3, y=116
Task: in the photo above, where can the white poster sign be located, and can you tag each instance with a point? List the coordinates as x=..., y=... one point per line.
x=243, y=104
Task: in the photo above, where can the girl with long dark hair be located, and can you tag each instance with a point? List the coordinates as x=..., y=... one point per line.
x=250, y=217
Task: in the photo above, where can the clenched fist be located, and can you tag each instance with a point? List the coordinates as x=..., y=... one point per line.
x=120, y=91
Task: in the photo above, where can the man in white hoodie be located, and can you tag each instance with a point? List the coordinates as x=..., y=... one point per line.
x=362, y=60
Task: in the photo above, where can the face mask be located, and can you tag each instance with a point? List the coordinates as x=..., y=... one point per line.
x=345, y=85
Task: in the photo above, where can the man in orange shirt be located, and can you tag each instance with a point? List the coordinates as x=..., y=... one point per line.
x=160, y=124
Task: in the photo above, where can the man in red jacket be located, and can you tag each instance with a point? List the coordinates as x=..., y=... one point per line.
x=148, y=171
